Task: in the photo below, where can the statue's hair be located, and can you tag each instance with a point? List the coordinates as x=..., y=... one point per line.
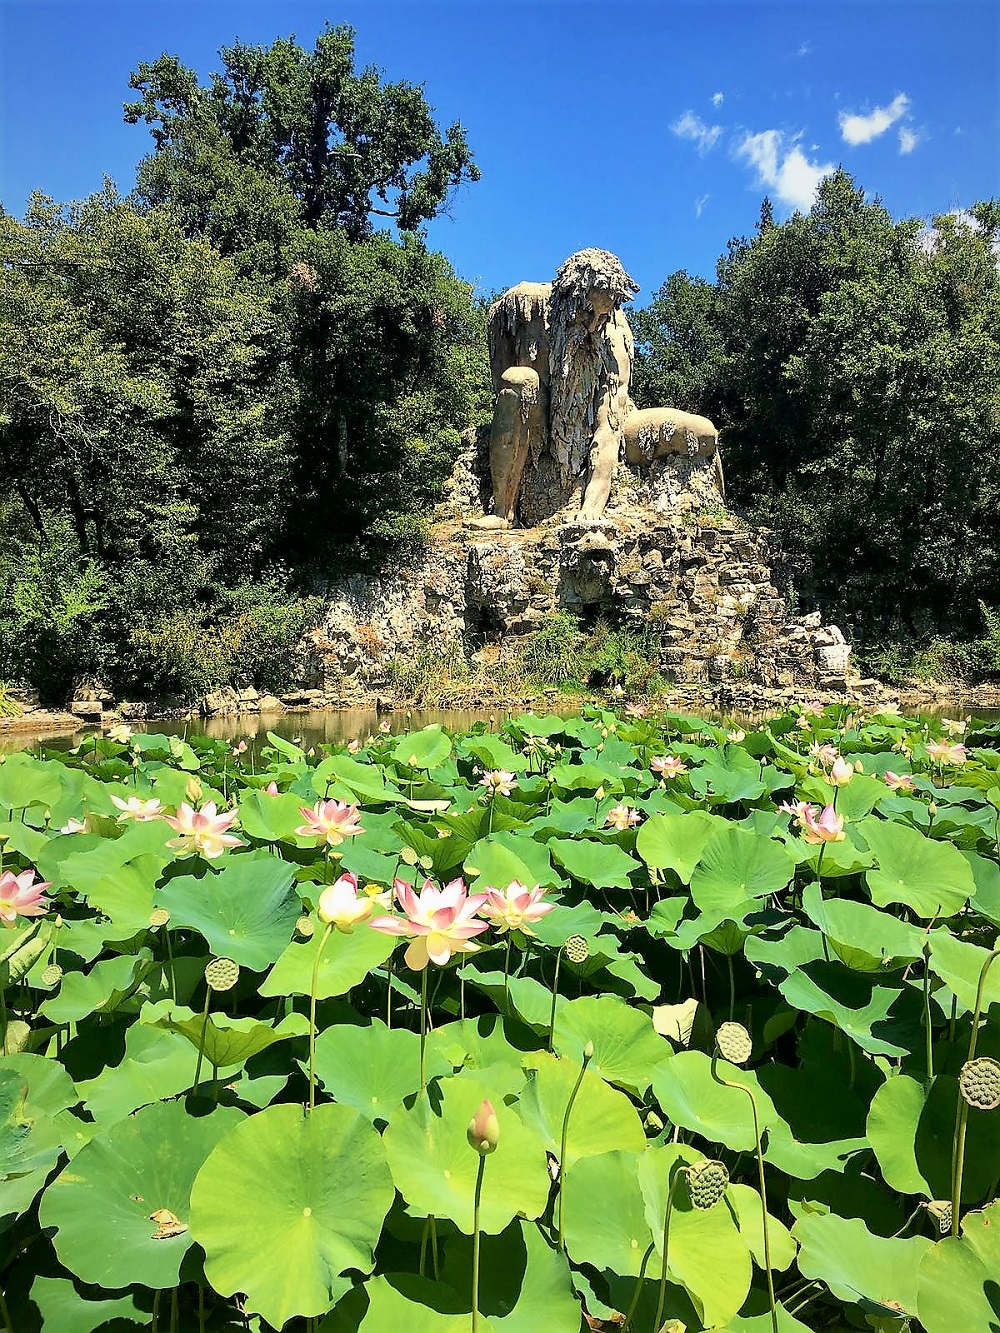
x=588, y=269
x=575, y=365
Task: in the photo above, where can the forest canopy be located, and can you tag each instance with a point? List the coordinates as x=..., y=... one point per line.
x=249, y=377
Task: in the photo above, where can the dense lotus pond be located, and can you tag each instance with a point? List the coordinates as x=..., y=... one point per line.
x=566, y=1023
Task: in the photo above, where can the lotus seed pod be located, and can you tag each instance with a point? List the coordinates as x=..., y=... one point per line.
x=52, y=975
x=940, y=1210
x=979, y=1083
x=159, y=916
x=577, y=949
x=733, y=1041
x=222, y=974
x=305, y=926
x=707, y=1183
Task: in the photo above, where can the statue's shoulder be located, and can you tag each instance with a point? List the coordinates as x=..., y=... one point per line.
x=524, y=299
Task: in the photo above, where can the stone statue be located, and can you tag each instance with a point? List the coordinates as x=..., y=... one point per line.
x=561, y=354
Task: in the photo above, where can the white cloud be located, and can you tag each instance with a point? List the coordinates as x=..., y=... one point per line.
x=856, y=129
x=783, y=167
x=804, y=50
x=908, y=140
x=699, y=204
x=704, y=137
x=718, y=99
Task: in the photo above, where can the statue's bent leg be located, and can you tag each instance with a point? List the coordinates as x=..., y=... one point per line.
x=518, y=418
x=603, y=461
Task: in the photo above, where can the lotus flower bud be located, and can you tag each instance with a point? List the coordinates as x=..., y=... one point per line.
x=979, y=1083
x=841, y=772
x=733, y=1041
x=858, y=766
x=484, y=1130
x=707, y=1183
x=932, y=809
x=193, y=791
x=588, y=1051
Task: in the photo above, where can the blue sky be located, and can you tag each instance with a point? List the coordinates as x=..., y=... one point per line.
x=653, y=130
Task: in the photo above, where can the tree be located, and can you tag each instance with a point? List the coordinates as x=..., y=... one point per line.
x=852, y=362
x=281, y=124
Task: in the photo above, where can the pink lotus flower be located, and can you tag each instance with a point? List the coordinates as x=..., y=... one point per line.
x=824, y=752
x=801, y=811
x=516, y=908
x=137, y=809
x=622, y=817
x=272, y=789
x=812, y=709
x=841, y=772
x=239, y=749
x=898, y=781
x=339, y=905
x=636, y=710
x=829, y=827
x=385, y=728
x=202, y=831
x=438, y=922
x=21, y=896
x=353, y=746
x=330, y=822
x=803, y=722
x=940, y=752
x=668, y=765
x=498, y=782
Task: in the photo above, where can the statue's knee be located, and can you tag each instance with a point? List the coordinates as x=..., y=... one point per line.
x=522, y=379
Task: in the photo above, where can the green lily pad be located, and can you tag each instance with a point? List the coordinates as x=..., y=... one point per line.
x=602, y=865
x=101, y=1207
x=63, y=1307
x=346, y=961
x=503, y=857
x=246, y=911
x=525, y=1282
x=424, y=749
x=736, y=865
x=676, y=842
x=627, y=1048
x=287, y=1234
x=959, y=964
x=692, y=1098
x=878, y=1274
x=228, y=1042
x=932, y=878
x=957, y=1283
x=863, y=937
x=602, y=1118
x=373, y=1068
x=434, y=1168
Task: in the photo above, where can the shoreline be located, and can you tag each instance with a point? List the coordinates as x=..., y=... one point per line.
x=730, y=698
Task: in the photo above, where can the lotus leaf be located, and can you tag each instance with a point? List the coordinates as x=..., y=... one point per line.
x=434, y=1168
x=101, y=1207
x=287, y=1203
x=931, y=878
x=878, y=1274
x=246, y=911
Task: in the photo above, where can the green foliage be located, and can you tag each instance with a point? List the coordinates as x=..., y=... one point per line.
x=862, y=977
x=852, y=362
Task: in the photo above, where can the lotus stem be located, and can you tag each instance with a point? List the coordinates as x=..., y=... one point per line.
x=665, y=1247
x=201, y=1039
x=312, y=1015
x=763, y=1188
x=8, y=1323
x=480, y=1172
x=555, y=993
x=587, y=1057
x=174, y=1312
x=637, y=1293
x=156, y=1311
x=928, y=1029
x=732, y=986
x=201, y=1307
x=962, y=1117
x=423, y=1029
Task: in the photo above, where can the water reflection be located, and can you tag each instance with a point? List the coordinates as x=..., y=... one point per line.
x=310, y=727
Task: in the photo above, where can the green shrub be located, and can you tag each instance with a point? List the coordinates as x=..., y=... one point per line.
x=551, y=655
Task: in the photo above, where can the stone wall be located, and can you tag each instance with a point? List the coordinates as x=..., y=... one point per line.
x=703, y=581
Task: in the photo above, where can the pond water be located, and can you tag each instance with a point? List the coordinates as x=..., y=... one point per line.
x=339, y=725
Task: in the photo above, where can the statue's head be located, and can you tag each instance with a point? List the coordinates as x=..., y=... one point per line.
x=594, y=282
